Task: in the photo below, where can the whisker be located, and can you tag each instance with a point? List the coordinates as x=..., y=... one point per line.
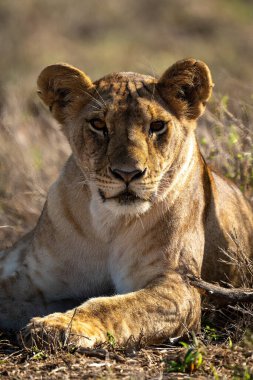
x=96, y=108
x=96, y=100
x=104, y=179
x=83, y=182
x=100, y=97
x=108, y=187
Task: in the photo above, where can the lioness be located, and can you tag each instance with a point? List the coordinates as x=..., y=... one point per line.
x=134, y=210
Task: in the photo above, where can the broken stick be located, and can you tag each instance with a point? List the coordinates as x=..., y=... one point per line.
x=221, y=294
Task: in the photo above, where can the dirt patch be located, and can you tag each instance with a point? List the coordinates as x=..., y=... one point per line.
x=218, y=360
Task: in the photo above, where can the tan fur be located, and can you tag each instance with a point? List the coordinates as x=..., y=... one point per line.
x=104, y=260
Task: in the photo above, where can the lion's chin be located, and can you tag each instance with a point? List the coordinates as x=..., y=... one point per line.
x=125, y=203
x=136, y=207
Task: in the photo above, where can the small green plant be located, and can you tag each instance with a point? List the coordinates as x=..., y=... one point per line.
x=211, y=333
x=224, y=101
x=233, y=137
x=203, y=141
x=38, y=354
x=230, y=343
x=243, y=374
x=111, y=339
x=247, y=375
x=214, y=372
x=191, y=361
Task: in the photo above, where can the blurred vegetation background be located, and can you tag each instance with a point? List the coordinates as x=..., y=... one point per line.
x=116, y=35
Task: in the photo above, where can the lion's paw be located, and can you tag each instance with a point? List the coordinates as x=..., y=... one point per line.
x=56, y=331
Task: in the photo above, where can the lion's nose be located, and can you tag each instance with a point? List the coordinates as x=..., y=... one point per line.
x=128, y=174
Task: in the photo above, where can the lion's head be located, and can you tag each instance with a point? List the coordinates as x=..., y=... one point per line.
x=130, y=134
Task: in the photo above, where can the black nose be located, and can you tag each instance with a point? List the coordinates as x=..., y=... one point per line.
x=127, y=175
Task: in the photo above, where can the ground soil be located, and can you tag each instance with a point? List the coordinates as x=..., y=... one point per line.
x=219, y=361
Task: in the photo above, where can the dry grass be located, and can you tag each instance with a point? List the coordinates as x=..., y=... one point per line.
x=146, y=36
x=219, y=360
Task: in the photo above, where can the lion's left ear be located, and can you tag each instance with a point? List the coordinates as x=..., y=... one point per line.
x=60, y=86
x=186, y=87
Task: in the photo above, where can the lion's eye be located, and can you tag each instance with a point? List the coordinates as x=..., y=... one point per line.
x=158, y=127
x=98, y=126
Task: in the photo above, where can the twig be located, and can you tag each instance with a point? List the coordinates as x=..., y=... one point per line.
x=222, y=295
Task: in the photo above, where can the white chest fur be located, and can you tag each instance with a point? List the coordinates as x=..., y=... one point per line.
x=129, y=253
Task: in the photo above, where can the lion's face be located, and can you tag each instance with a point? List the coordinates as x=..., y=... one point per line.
x=129, y=140
x=130, y=133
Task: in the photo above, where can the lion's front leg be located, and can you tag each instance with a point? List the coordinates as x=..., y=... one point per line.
x=167, y=308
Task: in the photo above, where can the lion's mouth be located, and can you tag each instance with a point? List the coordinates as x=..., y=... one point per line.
x=127, y=197
x=124, y=198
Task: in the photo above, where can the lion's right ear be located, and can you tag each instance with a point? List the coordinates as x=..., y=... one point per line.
x=60, y=86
